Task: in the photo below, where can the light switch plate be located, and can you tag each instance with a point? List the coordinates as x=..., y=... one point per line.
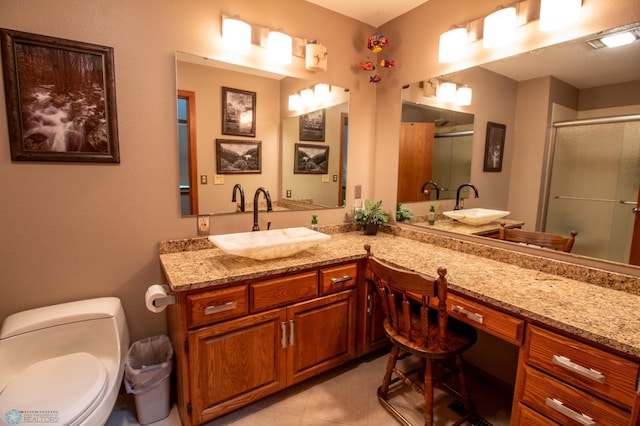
x=218, y=179
x=203, y=224
x=325, y=178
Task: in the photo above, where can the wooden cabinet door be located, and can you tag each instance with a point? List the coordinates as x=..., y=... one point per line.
x=236, y=362
x=374, y=335
x=415, y=162
x=322, y=335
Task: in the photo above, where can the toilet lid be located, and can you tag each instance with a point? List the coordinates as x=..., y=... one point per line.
x=62, y=390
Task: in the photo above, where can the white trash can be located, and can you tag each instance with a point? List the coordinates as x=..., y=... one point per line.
x=148, y=375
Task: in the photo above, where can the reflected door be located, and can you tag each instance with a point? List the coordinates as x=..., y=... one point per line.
x=187, y=151
x=594, y=187
x=415, y=159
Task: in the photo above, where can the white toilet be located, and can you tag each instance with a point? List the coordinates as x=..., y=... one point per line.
x=63, y=364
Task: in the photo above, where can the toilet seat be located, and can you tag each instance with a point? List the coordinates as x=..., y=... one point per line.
x=68, y=387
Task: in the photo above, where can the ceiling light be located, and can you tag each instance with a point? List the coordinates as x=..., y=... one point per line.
x=556, y=14
x=499, y=27
x=236, y=35
x=621, y=38
x=453, y=45
x=280, y=47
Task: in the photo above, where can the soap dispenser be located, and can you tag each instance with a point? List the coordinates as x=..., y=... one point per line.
x=314, y=222
x=432, y=215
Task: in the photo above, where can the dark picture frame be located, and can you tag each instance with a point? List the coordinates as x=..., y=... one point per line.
x=238, y=156
x=311, y=159
x=494, y=147
x=61, y=99
x=238, y=112
x=312, y=126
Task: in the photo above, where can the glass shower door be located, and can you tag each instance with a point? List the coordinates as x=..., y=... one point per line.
x=595, y=177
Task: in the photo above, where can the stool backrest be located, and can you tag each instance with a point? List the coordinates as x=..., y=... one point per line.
x=403, y=293
x=541, y=239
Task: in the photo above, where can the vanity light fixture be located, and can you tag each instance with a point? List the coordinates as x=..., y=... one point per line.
x=453, y=45
x=306, y=98
x=321, y=92
x=556, y=14
x=280, y=47
x=463, y=96
x=500, y=27
x=294, y=102
x=446, y=92
x=236, y=35
x=315, y=57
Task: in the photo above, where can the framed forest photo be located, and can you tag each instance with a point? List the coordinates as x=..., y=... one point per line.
x=238, y=112
x=312, y=126
x=61, y=101
x=237, y=156
x=494, y=147
x=313, y=159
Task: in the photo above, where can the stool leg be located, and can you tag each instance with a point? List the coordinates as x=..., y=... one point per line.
x=464, y=388
x=428, y=393
x=391, y=363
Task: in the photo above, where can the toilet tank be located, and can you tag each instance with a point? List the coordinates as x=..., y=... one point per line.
x=96, y=326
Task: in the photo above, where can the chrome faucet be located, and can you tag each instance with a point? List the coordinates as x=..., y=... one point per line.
x=256, y=227
x=238, y=187
x=470, y=185
x=425, y=191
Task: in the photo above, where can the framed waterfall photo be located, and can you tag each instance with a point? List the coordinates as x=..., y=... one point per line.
x=61, y=101
x=238, y=112
x=494, y=147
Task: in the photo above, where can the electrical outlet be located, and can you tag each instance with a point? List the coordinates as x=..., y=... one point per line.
x=218, y=179
x=288, y=193
x=335, y=178
x=203, y=224
x=325, y=178
x=203, y=179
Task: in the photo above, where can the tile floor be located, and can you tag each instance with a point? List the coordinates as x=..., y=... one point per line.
x=345, y=396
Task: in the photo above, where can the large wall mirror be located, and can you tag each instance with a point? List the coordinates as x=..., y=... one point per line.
x=585, y=83
x=299, y=156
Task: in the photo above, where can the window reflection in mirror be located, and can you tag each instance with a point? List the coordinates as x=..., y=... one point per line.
x=203, y=188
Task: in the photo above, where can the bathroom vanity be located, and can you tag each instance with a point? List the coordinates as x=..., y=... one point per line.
x=243, y=329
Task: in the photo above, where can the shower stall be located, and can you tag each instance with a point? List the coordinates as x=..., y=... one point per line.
x=594, y=183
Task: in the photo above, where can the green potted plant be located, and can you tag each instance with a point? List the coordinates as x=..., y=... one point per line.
x=371, y=217
x=403, y=214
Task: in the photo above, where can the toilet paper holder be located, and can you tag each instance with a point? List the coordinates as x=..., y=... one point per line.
x=158, y=297
x=169, y=299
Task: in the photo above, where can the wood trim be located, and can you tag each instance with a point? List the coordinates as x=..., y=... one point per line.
x=193, y=150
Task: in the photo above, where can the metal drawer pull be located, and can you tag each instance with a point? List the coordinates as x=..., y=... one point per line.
x=583, y=371
x=292, y=333
x=470, y=315
x=220, y=308
x=283, y=339
x=583, y=419
x=346, y=278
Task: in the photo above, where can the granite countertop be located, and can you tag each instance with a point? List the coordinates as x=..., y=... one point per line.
x=600, y=306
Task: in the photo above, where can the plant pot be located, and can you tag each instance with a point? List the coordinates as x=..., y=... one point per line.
x=370, y=228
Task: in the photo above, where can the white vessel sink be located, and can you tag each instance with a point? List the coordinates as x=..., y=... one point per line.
x=272, y=244
x=476, y=216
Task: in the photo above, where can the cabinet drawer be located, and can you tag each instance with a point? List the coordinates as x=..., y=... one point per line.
x=566, y=404
x=283, y=291
x=526, y=416
x=338, y=278
x=217, y=305
x=486, y=319
x=583, y=366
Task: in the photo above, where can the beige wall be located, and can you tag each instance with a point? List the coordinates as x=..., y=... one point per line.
x=71, y=231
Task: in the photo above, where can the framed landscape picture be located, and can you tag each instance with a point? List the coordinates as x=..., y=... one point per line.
x=312, y=126
x=312, y=159
x=238, y=112
x=494, y=147
x=237, y=156
x=61, y=101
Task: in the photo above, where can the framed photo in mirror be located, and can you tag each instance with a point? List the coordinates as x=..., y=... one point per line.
x=238, y=156
x=61, y=99
x=494, y=147
x=311, y=159
x=238, y=112
x=312, y=126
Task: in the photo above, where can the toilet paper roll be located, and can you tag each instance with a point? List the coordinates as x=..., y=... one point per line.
x=157, y=299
